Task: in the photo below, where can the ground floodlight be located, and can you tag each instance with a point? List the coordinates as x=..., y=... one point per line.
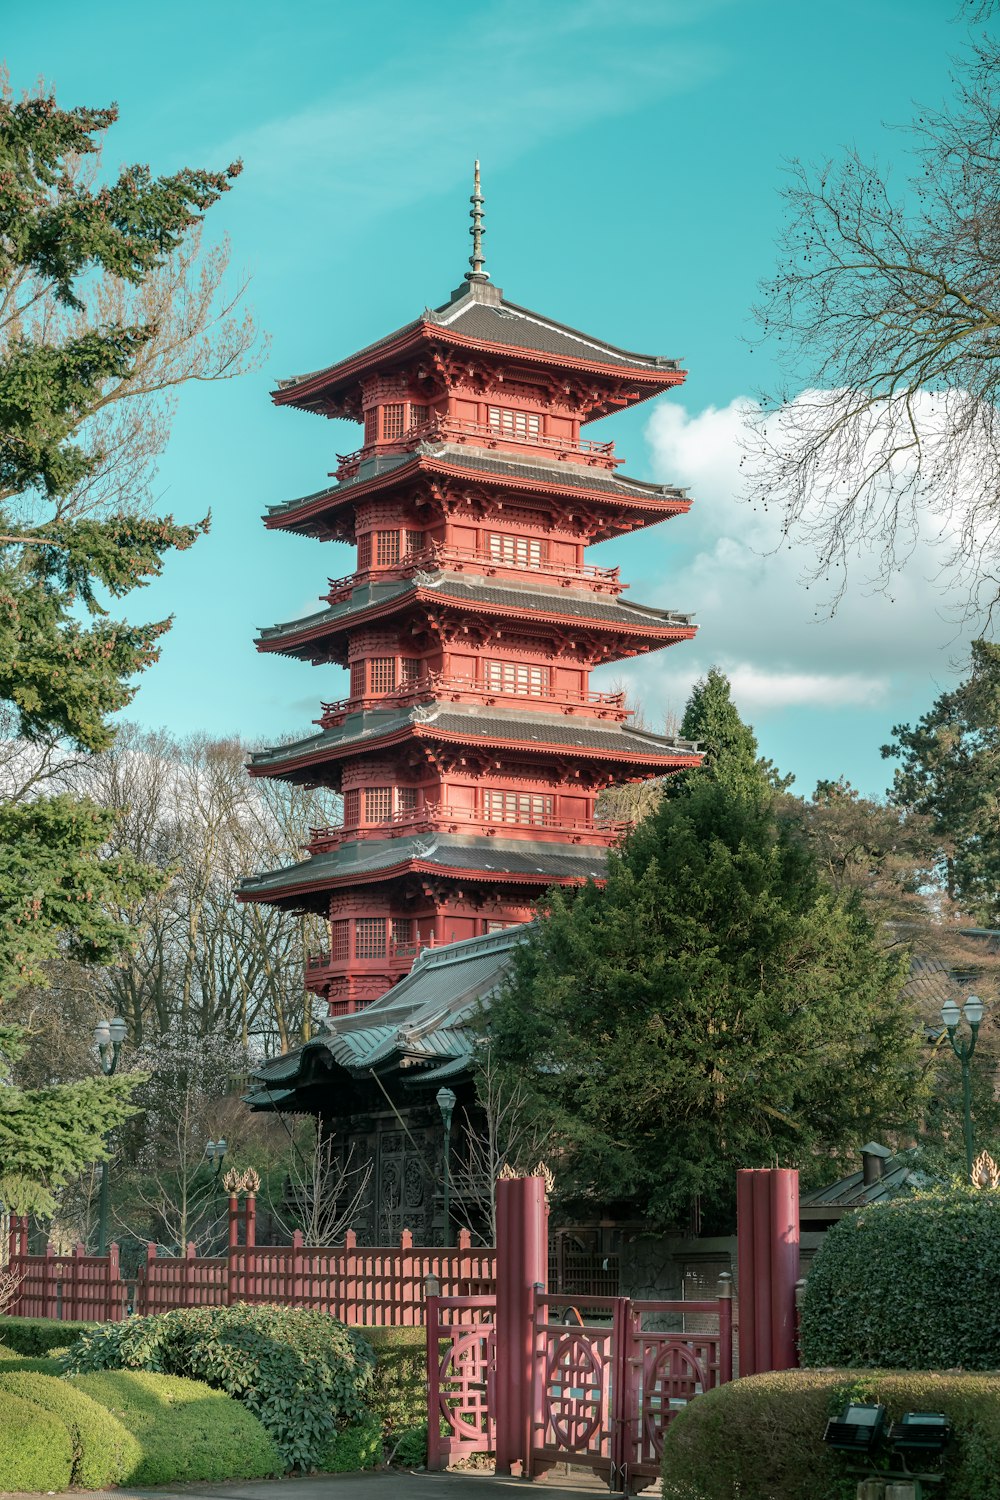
x=857, y=1429
x=921, y=1432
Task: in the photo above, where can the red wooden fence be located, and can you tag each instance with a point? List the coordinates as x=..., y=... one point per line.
x=376, y=1286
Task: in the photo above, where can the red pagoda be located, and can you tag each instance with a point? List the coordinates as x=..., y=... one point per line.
x=470, y=750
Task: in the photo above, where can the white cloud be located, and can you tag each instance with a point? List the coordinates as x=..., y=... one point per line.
x=759, y=622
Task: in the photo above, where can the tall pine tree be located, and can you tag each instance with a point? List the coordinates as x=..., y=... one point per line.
x=66, y=663
x=714, y=1005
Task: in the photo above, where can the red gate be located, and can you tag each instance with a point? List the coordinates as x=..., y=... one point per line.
x=605, y=1389
x=461, y=1370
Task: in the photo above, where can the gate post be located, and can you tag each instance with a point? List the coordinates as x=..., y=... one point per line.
x=522, y=1264
x=767, y=1255
x=435, y=1457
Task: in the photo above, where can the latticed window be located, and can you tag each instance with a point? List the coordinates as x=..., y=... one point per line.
x=525, y=551
x=386, y=548
x=407, y=798
x=517, y=807
x=369, y=937
x=357, y=679
x=411, y=668
x=414, y=541
x=371, y=425
x=378, y=804
x=364, y=551
x=402, y=932
x=352, y=807
x=516, y=678
x=383, y=674
x=392, y=420
x=340, y=940
x=418, y=414
x=517, y=424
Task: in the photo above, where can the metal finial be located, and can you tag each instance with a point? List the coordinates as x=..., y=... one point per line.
x=477, y=260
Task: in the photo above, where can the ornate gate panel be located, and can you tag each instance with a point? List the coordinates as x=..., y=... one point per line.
x=461, y=1378
x=606, y=1388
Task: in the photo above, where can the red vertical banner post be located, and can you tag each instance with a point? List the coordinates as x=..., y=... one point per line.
x=784, y=1267
x=725, y=1296
x=763, y=1267
x=435, y=1448
x=746, y=1271
x=522, y=1264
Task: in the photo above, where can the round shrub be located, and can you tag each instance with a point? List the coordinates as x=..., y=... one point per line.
x=301, y=1372
x=761, y=1438
x=183, y=1429
x=103, y=1451
x=36, y=1450
x=909, y=1284
x=354, y=1448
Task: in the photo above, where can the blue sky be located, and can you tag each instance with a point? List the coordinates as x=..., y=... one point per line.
x=632, y=155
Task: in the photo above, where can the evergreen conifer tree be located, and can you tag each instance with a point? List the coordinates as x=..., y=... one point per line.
x=65, y=663
x=713, y=1005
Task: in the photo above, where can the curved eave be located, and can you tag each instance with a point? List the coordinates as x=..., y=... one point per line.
x=322, y=755
x=316, y=392
x=341, y=496
x=330, y=880
x=296, y=642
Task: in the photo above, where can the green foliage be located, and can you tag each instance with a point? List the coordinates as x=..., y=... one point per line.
x=729, y=747
x=353, y=1448
x=409, y=1450
x=36, y=1450
x=185, y=1430
x=38, y=1335
x=714, y=1006
x=762, y=1438
x=20, y=1364
x=300, y=1372
x=950, y=772
x=909, y=1284
x=103, y=1451
x=398, y=1394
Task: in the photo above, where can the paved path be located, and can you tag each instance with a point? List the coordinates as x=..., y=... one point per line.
x=391, y=1484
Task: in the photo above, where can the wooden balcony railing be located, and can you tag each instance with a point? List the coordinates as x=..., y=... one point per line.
x=482, y=435
x=437, y=685
x=457, y=559
x=438, y=818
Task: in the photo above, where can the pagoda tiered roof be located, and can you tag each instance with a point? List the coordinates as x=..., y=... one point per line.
x=615, y=498
x=311, y=638
x=496, y=860
x=477, y=317
x=501, y=729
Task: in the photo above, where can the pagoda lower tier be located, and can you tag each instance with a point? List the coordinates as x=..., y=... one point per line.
x=456, y=821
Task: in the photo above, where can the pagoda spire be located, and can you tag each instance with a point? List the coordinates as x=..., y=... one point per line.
x=477, y=260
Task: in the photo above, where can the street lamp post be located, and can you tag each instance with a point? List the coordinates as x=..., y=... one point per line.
x=109, y=1036
x=215, y=1151
x=446, y=1104
x=963, y=1050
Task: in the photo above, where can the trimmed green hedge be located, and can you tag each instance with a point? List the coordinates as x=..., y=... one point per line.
x=358, y=1447
x=184, y=1429
x=909, y=1284
x=36, y=1451
x=38, y=1335
x=398, y=1395
x=103, y=1451
x=303, y=1374
x=20, y=1364
x=761, y=1438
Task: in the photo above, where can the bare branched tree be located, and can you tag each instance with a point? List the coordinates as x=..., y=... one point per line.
x=502, y=1133
x=324, y=1192
x=885, y=311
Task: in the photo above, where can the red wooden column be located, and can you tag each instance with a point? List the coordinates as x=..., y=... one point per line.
x=767, y=1230
x=522, y=1264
